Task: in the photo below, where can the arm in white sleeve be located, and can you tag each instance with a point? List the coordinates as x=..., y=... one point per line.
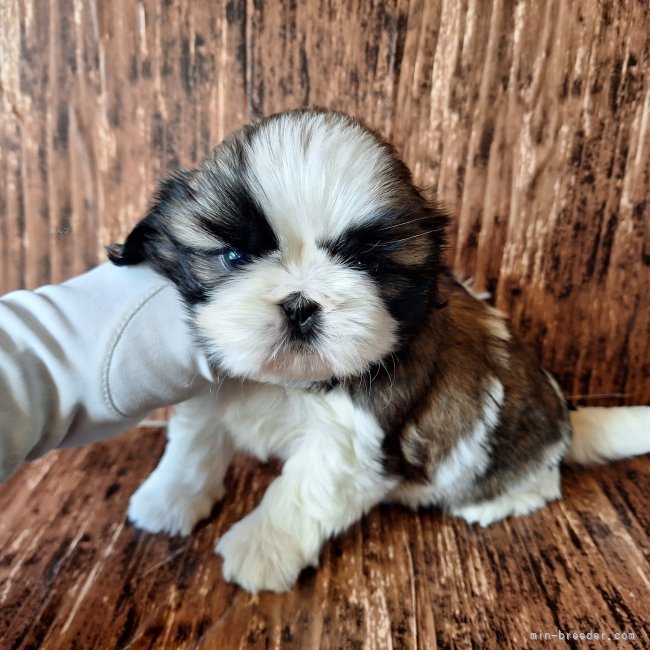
x=88, y=358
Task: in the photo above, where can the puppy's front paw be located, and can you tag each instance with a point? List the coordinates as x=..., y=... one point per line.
x=259, y=556
x=163, y=505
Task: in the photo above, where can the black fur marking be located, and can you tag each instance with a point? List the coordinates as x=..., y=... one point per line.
x=235, y=217
x=217, y=200
x=368, y=244
x=406, y=284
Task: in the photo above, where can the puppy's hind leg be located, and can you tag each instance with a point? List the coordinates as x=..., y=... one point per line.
x=529, y=495
x=189, y=478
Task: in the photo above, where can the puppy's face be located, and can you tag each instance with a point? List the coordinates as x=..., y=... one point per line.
x=301, y=247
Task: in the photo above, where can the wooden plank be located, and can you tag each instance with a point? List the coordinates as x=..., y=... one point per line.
x=74, y=574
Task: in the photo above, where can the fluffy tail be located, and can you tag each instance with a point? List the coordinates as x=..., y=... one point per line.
x=601, y=434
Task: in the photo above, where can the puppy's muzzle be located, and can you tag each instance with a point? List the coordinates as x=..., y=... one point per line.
x=301, y=314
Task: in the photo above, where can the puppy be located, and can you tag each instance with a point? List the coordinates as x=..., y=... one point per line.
x=312, y=271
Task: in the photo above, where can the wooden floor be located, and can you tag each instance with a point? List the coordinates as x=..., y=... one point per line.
x=75, y=574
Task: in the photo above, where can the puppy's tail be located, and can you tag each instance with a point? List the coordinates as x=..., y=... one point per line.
x=601, y=434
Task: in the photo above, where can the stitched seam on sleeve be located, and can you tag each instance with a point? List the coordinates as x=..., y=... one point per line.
x=106, y=390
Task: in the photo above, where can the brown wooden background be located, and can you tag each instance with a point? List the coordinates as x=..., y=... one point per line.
x=531, y=120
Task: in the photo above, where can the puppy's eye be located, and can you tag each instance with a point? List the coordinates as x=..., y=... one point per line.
x=370, y=267
x=233, y=259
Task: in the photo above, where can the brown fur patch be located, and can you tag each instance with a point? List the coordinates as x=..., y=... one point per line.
x=432, y=394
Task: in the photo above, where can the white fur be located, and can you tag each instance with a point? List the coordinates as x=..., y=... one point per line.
x=189, y=478
x=183, y=228
x=315, y=176
x=247, y=332
x=540, y=486
x=530, y=495
x=601, y=434
x=332, y=476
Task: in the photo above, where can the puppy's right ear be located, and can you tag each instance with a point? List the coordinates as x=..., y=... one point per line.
x=149, y=240
x=134, y=249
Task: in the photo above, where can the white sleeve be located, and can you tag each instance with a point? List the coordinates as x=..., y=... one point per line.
x=88, y=358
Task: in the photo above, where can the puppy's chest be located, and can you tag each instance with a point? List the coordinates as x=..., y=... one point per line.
x=266, y=420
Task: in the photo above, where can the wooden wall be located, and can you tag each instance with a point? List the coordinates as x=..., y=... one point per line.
x=531, y=120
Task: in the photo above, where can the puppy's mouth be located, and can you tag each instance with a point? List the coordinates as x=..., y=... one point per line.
x=297, y=360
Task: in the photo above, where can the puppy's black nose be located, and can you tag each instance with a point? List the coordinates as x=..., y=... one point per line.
x=301, y=313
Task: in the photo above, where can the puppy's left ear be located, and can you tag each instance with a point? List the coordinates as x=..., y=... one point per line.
x=149, y=241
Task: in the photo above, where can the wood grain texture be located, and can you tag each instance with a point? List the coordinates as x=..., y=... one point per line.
x=74, y=574
x=530, y=120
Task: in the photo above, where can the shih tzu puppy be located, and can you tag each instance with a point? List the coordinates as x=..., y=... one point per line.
x=312, y=271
